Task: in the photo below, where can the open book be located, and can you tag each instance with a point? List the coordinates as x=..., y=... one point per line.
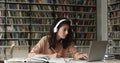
x=38, y=58
x=57, y=60
x=44, y=58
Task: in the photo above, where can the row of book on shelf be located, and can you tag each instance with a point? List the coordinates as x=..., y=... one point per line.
x=116, y=43
x=86, y=15
x=113, y=1
x=36, y=35
x=26, y=21
x=17, y=6
x=24, y=28
x=114, y=7
x=49, y=8
x=21, y=35
x=83, y=42
x=114, y=50
x=18, y=42
x=83, y=49
x=115, y=27
x=114, y=14
x=115, y=21
x=47, y=14
x=81, y=2
x=85, y=22
x=26, y=5
x=86, y=35
x=15, y=21
x=115, y=35
x=86, y=29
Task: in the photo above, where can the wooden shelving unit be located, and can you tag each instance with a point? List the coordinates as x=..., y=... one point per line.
x=114, y=26
x=24, y=22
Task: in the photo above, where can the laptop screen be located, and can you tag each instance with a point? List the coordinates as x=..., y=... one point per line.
x=97, y=50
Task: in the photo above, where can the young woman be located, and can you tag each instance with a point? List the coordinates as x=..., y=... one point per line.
x=59, y=42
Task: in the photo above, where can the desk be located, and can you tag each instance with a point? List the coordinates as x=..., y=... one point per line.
x=104, y=61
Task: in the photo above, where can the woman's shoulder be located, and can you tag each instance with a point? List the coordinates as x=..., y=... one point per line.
x=45, y=37
x=44, y=40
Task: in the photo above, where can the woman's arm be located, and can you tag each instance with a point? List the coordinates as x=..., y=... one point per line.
x=40, y=48
x=75, y=54
x=37, y=48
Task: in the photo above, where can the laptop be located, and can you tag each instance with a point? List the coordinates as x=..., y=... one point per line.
x=97, y=51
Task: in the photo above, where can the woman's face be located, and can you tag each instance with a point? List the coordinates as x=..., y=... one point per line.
x=63, y=31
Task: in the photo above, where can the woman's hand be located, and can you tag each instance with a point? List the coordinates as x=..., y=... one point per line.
x=82, y=56
x=55, y=55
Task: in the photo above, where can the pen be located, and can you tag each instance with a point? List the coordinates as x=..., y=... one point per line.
x=53, y=50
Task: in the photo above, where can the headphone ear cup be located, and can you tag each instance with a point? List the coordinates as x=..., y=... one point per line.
x=55, y=30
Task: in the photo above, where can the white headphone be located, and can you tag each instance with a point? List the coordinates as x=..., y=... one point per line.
x=55, y=28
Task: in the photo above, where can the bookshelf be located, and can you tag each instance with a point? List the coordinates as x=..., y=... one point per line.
x=41, y=18
x=14, y=23
x=113, y=26
x=85, y=24
x=24, y=22
x=17, y=22
x=2, y=20
x=83, y=15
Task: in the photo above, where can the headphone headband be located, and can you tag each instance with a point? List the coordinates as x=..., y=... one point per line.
x=55, y=28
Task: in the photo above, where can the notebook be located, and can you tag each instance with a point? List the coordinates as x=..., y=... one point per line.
x=97, y=51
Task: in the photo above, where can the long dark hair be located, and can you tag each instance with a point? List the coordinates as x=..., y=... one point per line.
x=52, y=36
